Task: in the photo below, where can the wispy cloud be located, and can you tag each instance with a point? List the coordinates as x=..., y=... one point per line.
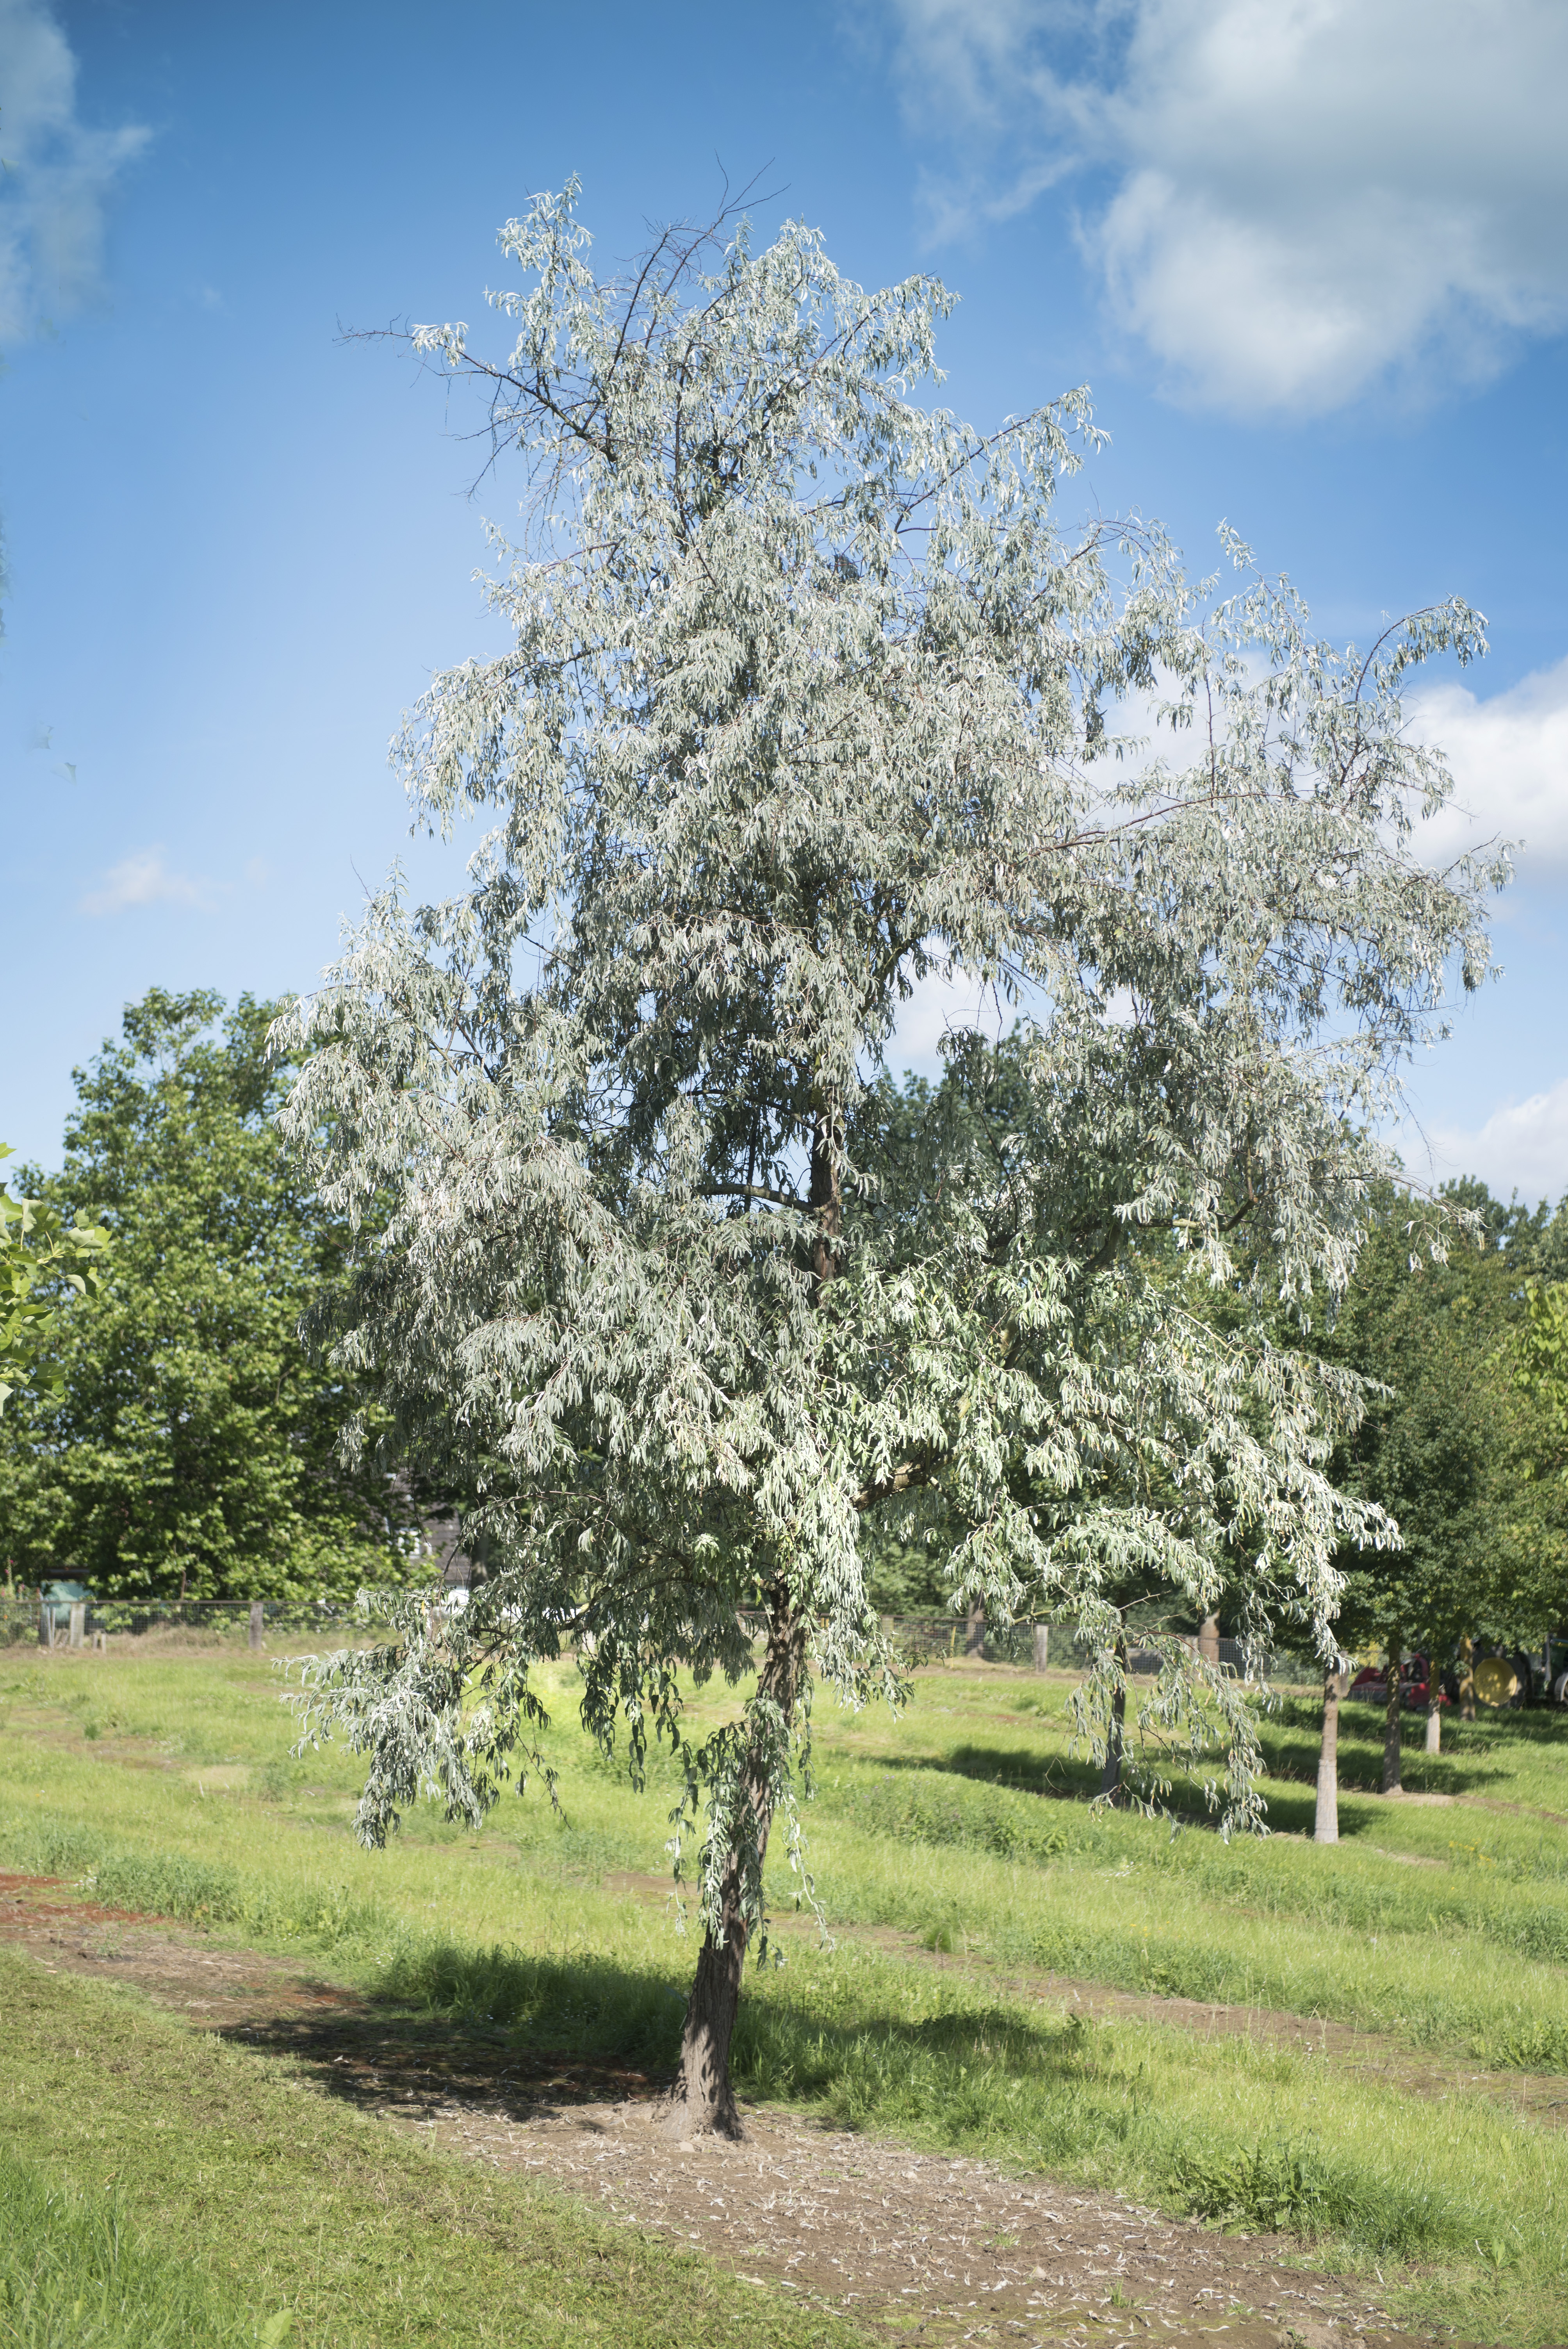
x=143, y=878
x=56, y=177
x=1523, y=1146
x=1285, y=201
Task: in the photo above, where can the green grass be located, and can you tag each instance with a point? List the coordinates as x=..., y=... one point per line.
x=124, y=2127
x=168, y=1785
x=74, y=2274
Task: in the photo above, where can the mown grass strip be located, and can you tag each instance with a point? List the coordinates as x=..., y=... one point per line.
x=276, y=2196
x=76, y=2274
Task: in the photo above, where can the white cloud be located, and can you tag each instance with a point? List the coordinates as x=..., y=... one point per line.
x=56, y=178
x=143, y=878
x=1303, y=196
x=1523, y=1146
x=1509, y=757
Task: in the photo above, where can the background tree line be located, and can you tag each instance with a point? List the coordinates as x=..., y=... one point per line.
x=180, y=1442
x=175, y=1438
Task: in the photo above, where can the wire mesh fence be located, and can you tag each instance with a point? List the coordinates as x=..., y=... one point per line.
x=65, y=1621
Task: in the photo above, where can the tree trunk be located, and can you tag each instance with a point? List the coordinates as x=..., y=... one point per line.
x=1110, y=1787
x=1466, y=1678
x=975, y=1632
x=1325, y=1829
x=1208, y=1640
x=1042, y=1647
x=1391, y=1721
x=1434, y=1718
x=703, y=2102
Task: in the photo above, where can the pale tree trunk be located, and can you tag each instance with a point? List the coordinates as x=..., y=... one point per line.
x=1111, y=1785
x=975, y=1632
x=1208, y=1640
x=703, y=2102
x=1391, y=1755
x=1434, y=1714
x=1325, y=1829
x=1466, y=1678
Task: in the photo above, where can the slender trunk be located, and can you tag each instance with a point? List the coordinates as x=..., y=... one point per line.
x=1434, y=1716
x=1391, y=1721
x=1042, y=1647
x=1111, y=1785
x=704, y=2100
x=1326, y=1827
x=1208, y=1640
x=975, y=1632
x=1466, y=1678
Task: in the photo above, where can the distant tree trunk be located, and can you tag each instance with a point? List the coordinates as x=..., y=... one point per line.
x=1042, y=1647
x=975, y=1632
x=1434, y=1707
x=1111, y=1785
x=704, y=2101
x=1208, y=1640
x=1391, y=1756
x=1466, y=1678
x=1325, y=1829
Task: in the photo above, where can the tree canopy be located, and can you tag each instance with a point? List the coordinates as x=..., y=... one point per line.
x=183, y=1445
x=811, y=699
x=1461, y=1443
x=45, y=1258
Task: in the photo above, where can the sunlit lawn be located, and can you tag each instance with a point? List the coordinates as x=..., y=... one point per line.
x=963, y=1826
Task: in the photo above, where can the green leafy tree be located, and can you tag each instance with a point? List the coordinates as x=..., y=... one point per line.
x=180, y=1442
x=45, y=1258
x=1435, y=1323
x=812, y=697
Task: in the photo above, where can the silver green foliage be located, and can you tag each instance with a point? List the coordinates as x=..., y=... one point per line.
x=811, y=697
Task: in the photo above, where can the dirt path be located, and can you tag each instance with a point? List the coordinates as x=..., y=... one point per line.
x=920, y=2246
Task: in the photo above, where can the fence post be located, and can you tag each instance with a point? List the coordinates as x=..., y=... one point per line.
x=255, y=1622
x=45, y=1624
x=1042, y=1647
x=78, y=1630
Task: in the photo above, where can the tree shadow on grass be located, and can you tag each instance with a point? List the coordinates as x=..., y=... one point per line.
x=521, y=2035
x=527, y=2040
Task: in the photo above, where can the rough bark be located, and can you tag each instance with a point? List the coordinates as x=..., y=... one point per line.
x=1325, y=1829
x=1391, y=1751
x=1111, y=1784
x=704, y=2100
x=975, y=1632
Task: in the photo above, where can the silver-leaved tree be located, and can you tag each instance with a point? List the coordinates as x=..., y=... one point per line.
x=811, y=700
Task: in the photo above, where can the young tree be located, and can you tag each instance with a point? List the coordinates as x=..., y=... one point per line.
x=183, y=1444
x=810, y=701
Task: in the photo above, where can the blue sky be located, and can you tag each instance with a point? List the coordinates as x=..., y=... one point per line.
x=1312, y=258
